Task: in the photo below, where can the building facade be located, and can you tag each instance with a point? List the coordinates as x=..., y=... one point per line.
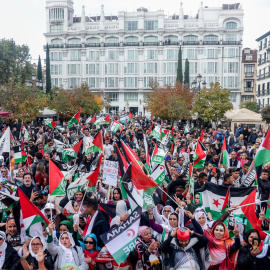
x=121, y=55
x=249, y=74
x=263, y=70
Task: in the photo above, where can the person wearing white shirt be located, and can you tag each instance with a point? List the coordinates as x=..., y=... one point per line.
x=109, y=150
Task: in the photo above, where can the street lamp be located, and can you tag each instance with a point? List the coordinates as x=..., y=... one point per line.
x=196, y=84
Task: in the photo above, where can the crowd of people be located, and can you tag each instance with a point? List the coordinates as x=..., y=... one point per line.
x=177, y=233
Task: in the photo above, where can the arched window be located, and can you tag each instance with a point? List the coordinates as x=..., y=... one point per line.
x=93, y=40
x=112, y=40
x=131, y=39
x=151, y=39
x=231, y=25
x=190, y=38
x=74, y=41
x=57, y=41
x=171, y=38
x=210, y=38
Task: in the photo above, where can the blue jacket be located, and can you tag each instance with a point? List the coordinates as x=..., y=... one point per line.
x=238, y=132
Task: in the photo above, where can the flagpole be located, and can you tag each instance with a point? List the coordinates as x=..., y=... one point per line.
x=168, y=195
x=82, y=201
x=252, y=203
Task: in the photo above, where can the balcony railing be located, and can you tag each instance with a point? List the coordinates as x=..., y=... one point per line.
x=191, y=43
x=111, y=44
x=248, y=89
x=211, y=43
x=92, y=45
x=267, y=75
x=261, y=77
x=150, y=44
x=249, y=74
x=258, y=94
x=165, y=43
x=261, y=61
x=232, y=42
x=74, y=45
x=260, y=48
x=131, y=44
x=54, y=46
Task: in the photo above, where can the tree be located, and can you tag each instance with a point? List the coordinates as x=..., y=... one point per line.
x=266, y=114
x=14, y=62
x=39, y=70
x=179, y=76
x=186, y=78
x=24, y=103
x=170, y=102
x=48, y=71
x=212, y=104
x=250, y=105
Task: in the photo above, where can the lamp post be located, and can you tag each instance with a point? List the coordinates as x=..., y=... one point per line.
x=196, y=84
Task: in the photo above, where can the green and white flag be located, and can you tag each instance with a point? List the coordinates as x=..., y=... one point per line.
x=79, y=185
x=158, y=174
x=263, y=154
x=116, y=126
x=156, y=133
x=158, y=155
x=17, y=154
x=121, y=240
x=225, y=155
x=68, y=154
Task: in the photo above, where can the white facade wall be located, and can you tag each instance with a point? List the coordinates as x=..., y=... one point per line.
x=124, y=64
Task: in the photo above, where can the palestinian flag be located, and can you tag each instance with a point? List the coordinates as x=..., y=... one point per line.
x=67, y=154
x=79, y=185
x=24, y=155
x=91, y=119
x=7, y=201
x=109, y=209
x=201, y=137
x=200, y=156
x=97, y=144
x=103, y=121
x=124, y=118
x=151, y=129
x=17, y=153
x=158, y=155
x=77, y=146
x=215, y=198
x=30, y=213
x=49, y=123
x=158, y=173
x=187, y=129
x=225, y=155
x=121, y=241
x=21, y=128
x=263, y=154
x=92, y=177
x=75, y=119
x=146, y=149
x=116, y=126
x=172, y=136
x=191, y=180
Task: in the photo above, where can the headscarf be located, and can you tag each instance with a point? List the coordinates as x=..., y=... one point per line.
x=67, y=252
x=121, y=208
x=92, y=235
x=68, y=209
x=43, y=242
x=220, y=249
x=9, y=223
x=3, y=249
x=198, y=213
x=200, y=194
x=172, y=210
x=80, y=203
x=49, y=206
x=169, y=226
x=68, y=224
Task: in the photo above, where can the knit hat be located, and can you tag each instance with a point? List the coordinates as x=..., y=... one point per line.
x=3, y=235
x=183, y=234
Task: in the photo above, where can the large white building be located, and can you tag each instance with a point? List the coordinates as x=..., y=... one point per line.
x=263, y=70
x=120, y=55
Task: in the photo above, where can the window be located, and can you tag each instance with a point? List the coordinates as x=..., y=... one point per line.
x=151, y=39
x=129, y=26
x=131, y=40
x=56, y=82
x=130, y=82
x=131, y=55
x=193, y=67
x=130, y=68
x=74, y=82
x=56, y=69
x=170, y=54
x=169, y=39
x=56, y=56
x=210, y=79
x=231, y=37
x=231, y=67
x=92, y=82
x=56, y=28
x=150, y=54
x=92, y=56
x=57, y=41
x=114, y=109
x=190, y=54
x=113, y=96
x=131, y=97
x=248, y=85
x=149, y=80
x=56, y=14
x=74, y=41
x=170, y=68
x=93, y=40
x=210, y=53
x=249, y=70
x=92, y=69
x=210, y=38
x=231, y=52
x=169, y=80
x=248, y=57
x=231, y=25
x=210, y=67
x=150, y=68
x=111, y=68
x=150, y=25
x=74, y=69
x=231, y=82
x=190, y=38
x=112, y=40
x=74, y=55
x=111, y=82
x=111, y=55
x=233, y=97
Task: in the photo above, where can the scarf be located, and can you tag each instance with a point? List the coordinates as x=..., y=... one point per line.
x=2, y=249
x=166, y=220
x=91, y=224
x=44, y=245
x=67, y=252
x=198, y=213
x=68, y=209
x=121, y=208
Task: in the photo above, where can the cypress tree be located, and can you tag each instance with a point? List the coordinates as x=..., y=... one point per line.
x=48, y=71
x=39, y=70
x=179, y=77
x=186, y=78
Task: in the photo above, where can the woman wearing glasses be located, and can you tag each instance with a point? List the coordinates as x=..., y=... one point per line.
x=30, y=250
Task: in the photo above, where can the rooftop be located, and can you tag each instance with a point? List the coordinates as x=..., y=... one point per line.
x=263, y=36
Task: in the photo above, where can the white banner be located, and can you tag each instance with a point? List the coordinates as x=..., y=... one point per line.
x=110, y=173
x=5, y=142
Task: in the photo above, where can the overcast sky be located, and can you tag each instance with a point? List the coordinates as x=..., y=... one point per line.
x=25, y=20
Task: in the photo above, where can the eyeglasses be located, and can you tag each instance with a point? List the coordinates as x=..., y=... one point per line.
x=89, y=242
x=36, y=244
x=167, y=211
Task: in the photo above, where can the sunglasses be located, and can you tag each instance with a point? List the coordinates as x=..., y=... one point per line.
x=167, y=211
x=89, y=242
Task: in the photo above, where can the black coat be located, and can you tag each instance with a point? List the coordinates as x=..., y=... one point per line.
x=48, y=261
x=12, y=259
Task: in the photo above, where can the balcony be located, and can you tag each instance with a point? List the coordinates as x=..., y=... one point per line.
x=74, y=45
x=111, y=44
x=92, y=45
x=248, y=89
x=168, y=43
x=54, y=46
x=249, y=74
x=131, y=44
x=261, y=61
x=258, y=94
x=260, y=47
x=150, y=44
x=211, y=43
x=191, y=43
x=261, y=77
x=267, y=74
x=231, y=42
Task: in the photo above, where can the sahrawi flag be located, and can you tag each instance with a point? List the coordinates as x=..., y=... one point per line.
x=158, y=155
x=216, y=198
x=121, y=240
x=30, y=213
x=75, y=119
x=97, y=144
x=157, y=133
x=116, y=126
x=158, y=173
x=263, y=154
x=5, y=142
x=200, y=156
x=103, y=121
x=225, y=155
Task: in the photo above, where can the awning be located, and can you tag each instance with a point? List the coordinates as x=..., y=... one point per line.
x=5, y=114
